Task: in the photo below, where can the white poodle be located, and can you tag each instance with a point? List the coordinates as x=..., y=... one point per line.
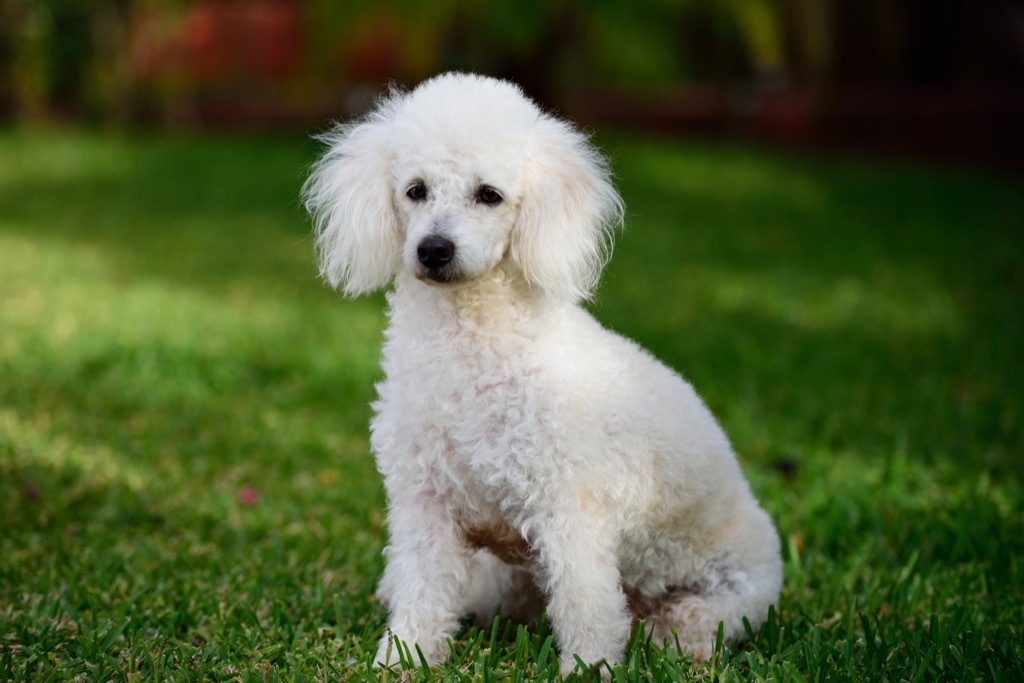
x=532, y=459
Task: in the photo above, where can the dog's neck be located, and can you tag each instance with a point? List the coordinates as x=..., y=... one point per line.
x=501, y=299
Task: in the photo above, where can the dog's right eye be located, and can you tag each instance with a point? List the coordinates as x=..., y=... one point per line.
x=417, y=192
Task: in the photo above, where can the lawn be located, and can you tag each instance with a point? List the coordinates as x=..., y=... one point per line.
x=185, y=486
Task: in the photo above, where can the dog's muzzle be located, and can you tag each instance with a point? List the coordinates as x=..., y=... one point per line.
x=435, y=254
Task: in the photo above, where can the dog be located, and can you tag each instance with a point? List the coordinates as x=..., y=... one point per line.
x=533, y=461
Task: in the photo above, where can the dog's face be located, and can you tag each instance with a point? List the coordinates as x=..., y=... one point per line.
x=449, y=181
x=456, y=212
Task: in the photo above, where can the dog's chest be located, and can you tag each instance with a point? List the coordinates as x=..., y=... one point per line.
x=461, y=419
x=481, y=426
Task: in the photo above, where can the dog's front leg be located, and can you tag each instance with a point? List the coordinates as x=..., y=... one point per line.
x=425, y=579
x=586, y=605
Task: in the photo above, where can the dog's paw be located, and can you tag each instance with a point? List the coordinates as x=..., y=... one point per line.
x=692, y=623
x=396, y=650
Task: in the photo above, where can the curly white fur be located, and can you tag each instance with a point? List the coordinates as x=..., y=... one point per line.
x=532, y=459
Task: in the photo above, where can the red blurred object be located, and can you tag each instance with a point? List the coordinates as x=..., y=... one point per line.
x=248, y=496
x=372, y=56
x=228, y=39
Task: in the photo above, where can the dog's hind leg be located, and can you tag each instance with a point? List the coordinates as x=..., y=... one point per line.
x=742, y=587
x=692, y=621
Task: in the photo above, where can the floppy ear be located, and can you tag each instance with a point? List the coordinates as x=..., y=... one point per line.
x=348, y=194
x=568, y=214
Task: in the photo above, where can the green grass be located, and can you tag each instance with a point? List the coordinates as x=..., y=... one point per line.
x=185, y=486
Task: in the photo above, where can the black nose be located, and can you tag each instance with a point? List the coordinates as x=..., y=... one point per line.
x=435, y=251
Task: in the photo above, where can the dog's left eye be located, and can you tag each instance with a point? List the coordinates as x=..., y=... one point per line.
x=486, y=194
x=417, y=192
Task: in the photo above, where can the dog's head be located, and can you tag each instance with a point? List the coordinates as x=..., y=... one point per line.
x=455, y=178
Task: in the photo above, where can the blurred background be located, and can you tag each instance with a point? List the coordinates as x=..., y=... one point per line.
x=932, y=79
x=185, y=486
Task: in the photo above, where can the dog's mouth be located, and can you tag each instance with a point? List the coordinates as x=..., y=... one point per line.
x=444, y=276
